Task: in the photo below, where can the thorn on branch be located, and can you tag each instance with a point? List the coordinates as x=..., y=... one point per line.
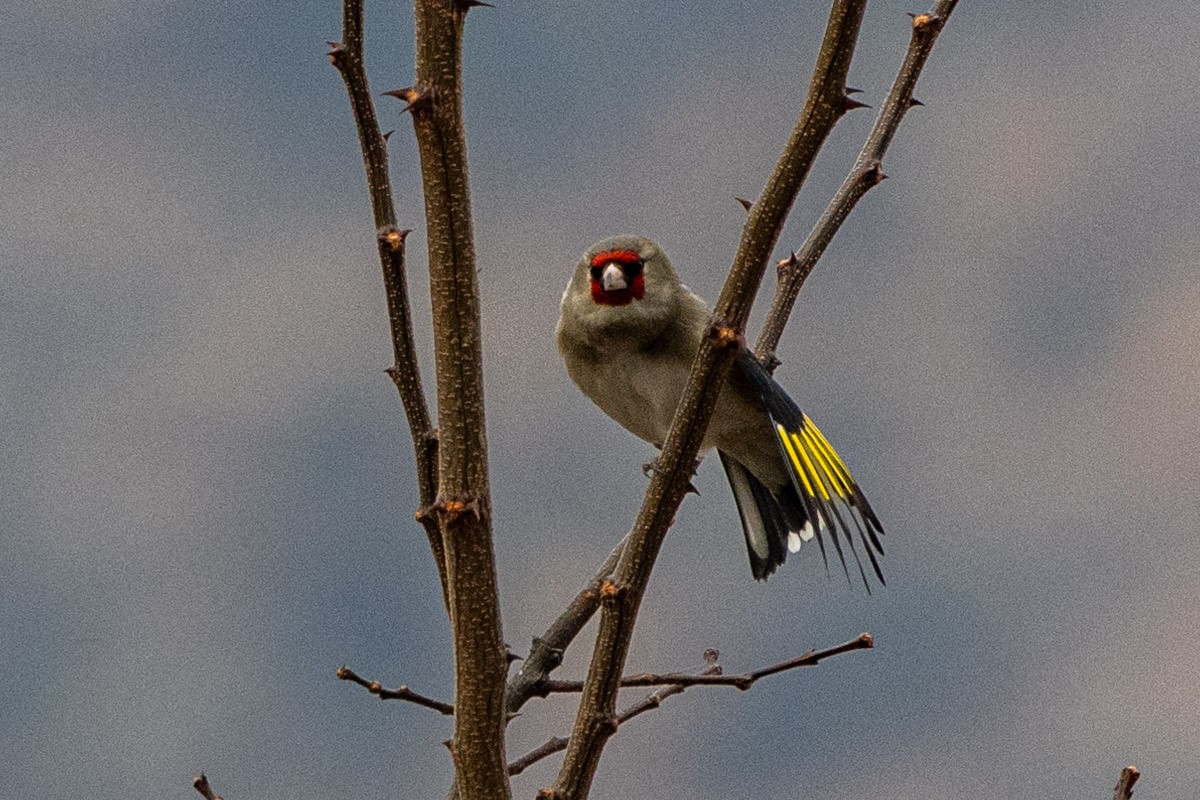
x=725, y=334
x=414, y=97
x=392, y=237
x=852, y=90
x=463, y=6
x=452, y=509
x=787, y=265
x=914, y=102
x=746, y=204
x=926, y=22
x=873, y=174
x=609, y=592
x=200, y=784
x=337, y=57
x=388, y=134
x=1124, y=788
x=849, y=103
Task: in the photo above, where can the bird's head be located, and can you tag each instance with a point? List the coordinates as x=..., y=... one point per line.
x=623, y=280
x=617, y=276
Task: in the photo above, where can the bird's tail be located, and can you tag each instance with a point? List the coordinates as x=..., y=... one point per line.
x=762, y=520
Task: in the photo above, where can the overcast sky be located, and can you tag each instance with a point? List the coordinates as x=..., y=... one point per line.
x=206, y=489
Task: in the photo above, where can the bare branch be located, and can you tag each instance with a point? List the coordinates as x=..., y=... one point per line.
x=399, y=693
x=347, y=57
x=866, y=173
x=647, y=703
x=546, y=654
x=200, y=784
x=825, y=104
x=463, y=507
x=1124, y=788
x=554, y=744
x=743, y=681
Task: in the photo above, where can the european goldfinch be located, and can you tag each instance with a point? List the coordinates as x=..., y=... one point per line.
x=628, y=333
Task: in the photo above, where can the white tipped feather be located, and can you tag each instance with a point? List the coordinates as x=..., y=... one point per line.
x=806, y=533
x=794, y=542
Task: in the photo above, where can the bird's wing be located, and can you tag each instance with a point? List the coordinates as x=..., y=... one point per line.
x=830, y=496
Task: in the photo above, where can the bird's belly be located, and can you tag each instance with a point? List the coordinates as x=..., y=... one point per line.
x=642, y=392
x=639, y=392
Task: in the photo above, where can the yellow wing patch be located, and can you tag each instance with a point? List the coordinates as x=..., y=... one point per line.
x=787, y=446
x=816, y=463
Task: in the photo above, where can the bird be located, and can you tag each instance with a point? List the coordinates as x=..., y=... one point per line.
x=628, y=331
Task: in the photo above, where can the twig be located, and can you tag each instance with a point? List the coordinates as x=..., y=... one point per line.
x=647, y=703
x=399, y=693
x=200, y=784
x=554, y=744
x=1124, y=788
x=866, y=173
x=347, y=57
x=546, y=654
x=743, y=681
x=825, y=104
x=463, y=507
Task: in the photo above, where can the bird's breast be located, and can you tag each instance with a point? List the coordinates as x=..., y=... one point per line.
x=638, y=390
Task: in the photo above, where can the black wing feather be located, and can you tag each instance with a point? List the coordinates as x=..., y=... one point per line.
x=822, y=482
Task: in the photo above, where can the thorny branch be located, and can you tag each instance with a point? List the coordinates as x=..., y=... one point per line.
x=826, y=103
x=463, y=507
x=399, y=693
x=347, y=57
x=866, y=173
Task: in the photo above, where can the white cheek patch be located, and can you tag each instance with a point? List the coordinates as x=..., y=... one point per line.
x=613, y=278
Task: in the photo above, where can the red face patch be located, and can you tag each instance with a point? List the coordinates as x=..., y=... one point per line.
x=631, y=264
x=626, y=257
x=619, y=297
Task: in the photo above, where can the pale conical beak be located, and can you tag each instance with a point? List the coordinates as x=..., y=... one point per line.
x=613, y=278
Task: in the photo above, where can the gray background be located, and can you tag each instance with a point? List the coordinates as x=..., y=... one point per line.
x=206, y=490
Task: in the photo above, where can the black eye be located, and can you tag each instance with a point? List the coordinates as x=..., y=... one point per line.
x=631, y=269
